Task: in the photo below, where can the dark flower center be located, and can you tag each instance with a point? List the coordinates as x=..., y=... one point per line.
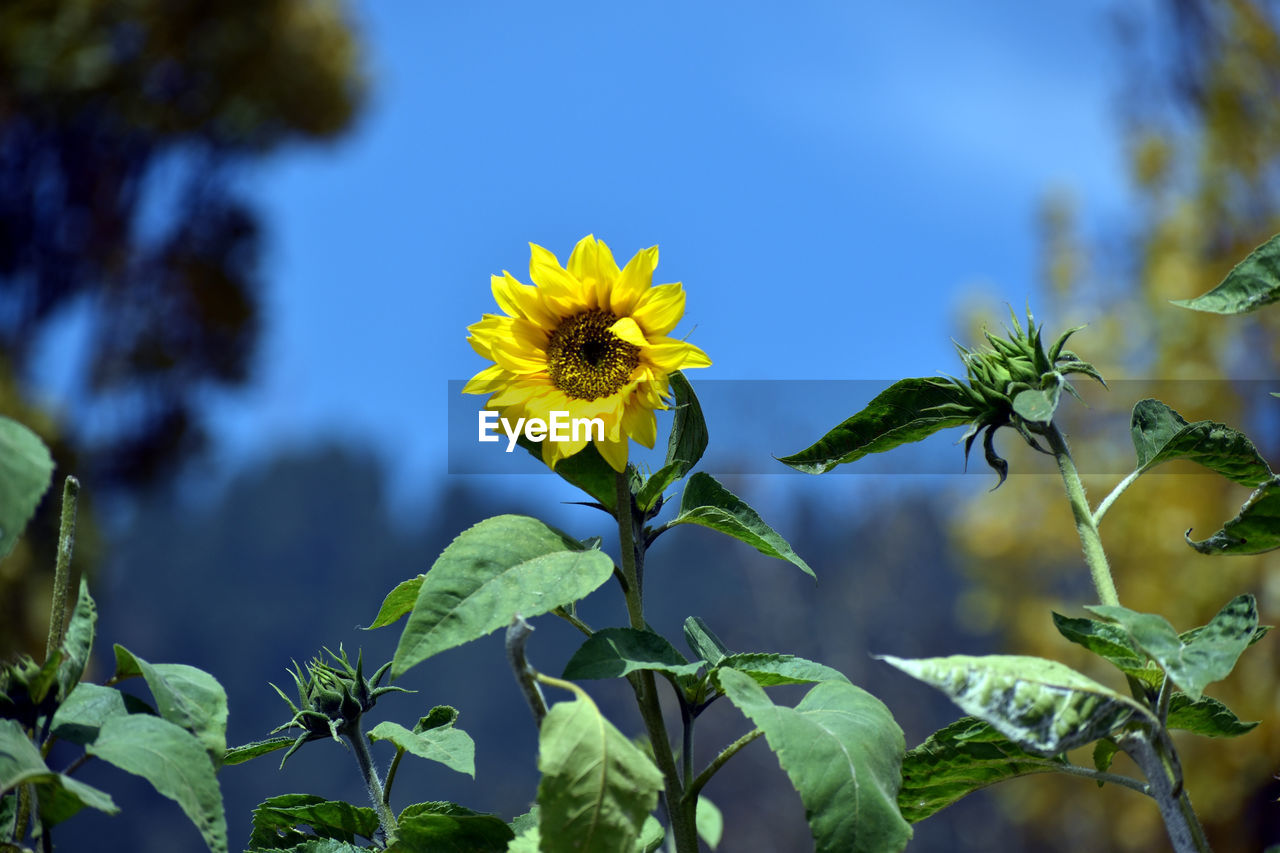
x=586, y=360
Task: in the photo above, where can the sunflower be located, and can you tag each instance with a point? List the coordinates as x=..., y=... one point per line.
x=588, y=339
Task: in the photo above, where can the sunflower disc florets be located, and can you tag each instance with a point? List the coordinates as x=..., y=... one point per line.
x=1014, y=382
x=332, y=697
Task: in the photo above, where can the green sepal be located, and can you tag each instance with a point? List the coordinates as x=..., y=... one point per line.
x=685, y=447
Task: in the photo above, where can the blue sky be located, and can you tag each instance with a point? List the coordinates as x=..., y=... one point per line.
x=827, y=179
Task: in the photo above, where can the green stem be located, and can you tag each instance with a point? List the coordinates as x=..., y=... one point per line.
x=573, y=620
x=686, y=748
x=391, y=775
x=1111, y=498
x=62, y=569
x=1090, y=541
x=682, y=817
x=1099, y=776
x=728, y=752
x=360, y=746
x=1180, y=819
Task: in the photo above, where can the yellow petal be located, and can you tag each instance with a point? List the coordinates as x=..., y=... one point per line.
x=516, y=358
x=487, y=381
x=614, y=452
x=659, y=309
x=675, y=355
x=627, y=329
x=640, y=424
x=633, y=281
x=521, y=300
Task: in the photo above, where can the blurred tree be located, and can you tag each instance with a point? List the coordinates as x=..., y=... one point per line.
x=122, y=123
x=1204, y=142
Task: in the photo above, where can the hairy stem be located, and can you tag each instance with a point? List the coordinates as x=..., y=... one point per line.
x=517, y=634
x=360, y=746
x=1180, y=819
x=1090, y=541
x=1111, y=498
x=391, y=775
x=62, y=569
x=646, y=689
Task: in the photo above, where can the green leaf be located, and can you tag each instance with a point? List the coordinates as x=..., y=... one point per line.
x=77, y=644
x=615, y=652
x=956, y=761
x=768, y=670
x=1251, y=284
x=1112, y=643
x=1041, y=705
x=451, y=747
x=398, y=602
x=710, y=823
x=597, y=787
x=1255, y=529
x=651, y=835
x=710, y=504
x=1038, y=405
x=1207, y=717
x=186, y=696
x=244, y=752
x=908, y=410
x=449, y=828
x=585, y=469
x=1209, y=657
x=1160, y=435
x=86, y=708
x=20, y=763
x=685, y=447
x=173, y=761
x=500, y=567
x=843, y=752
x=25, y=470
x=276, y=821
x=702, y=642
x=1104, y=752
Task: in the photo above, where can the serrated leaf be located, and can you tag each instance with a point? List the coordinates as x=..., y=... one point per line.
x=703, y=642
x=244, y=752
x=452, y=747
x=186, y=696
x=707, y=503
x=397, y=603
x=1112, y=643
x=500, y=567
x=843, y=752
x=450, y=828
x=1251, y=284
x=1041, y=705
x=20, y=763
x=585, y=470
x=1254, y=530
x=173, y=761
x=616, y=652
x=908, y=410
x=685, y=447
x=77, y=643
x=955, y=761
x=597, y=787
x=769, y=670
x=1161, y=435
x=25, y=471
x=276, y=821
x=88, y=706
x=1209, y=657
x=1207, y=717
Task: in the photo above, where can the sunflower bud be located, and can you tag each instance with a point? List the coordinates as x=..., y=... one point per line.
x=29, y=691
x=332, y=697
x=1014, y=382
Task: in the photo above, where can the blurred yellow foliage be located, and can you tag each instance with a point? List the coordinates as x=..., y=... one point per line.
x=1206, y=201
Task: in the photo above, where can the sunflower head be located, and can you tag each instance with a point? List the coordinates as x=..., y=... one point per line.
x=1014, y=382
x=588, y=340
